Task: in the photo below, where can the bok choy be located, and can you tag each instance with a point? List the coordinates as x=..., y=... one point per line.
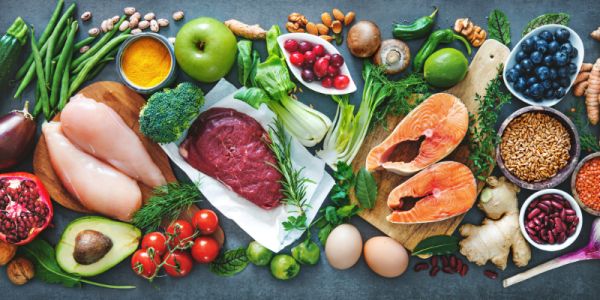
x=273, y=86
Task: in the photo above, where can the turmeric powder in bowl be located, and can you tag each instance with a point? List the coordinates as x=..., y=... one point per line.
x=146, y=63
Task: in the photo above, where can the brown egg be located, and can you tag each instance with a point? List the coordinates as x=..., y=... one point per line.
x=343, y=247
x=385, y=256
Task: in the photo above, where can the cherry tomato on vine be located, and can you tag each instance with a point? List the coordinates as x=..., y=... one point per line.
x=206, y=221
x=178, y=264
x=182, y=230
x=156, y=241
x=205, y=249
x=143, y=264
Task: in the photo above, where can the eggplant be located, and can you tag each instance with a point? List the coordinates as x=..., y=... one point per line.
x=17, y=135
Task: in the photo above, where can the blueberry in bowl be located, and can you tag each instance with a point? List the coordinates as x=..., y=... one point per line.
x=543, y=65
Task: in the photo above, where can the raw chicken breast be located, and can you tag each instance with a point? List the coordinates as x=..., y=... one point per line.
x=97, y=185
x=100, y=131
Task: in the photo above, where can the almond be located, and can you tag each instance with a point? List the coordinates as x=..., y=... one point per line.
x=338, y=15
x=349, y=18
x=327, y=38
x=326, y=19
x=312, y=28
x=323, y=29
x=336, y=26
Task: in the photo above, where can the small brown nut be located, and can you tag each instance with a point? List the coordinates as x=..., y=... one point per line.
x=115, y=19
x=94, y=31
x=103, y=26
x=336, y=26
x=323, y=29
x=303, y=20
x=143, y=24
x=136, y=15
x=291, y=26
x=163, y=22
x=7, y=252
x=349, y=18
x=133, y=23
x=478, y=36
x=326, y=19
x=129, y=10
x=338, y=15
x=20, y=270
x=124, y=25
x=178, y=15
x=84, y=49
x=149, y=16
x=136, y=31
x=86, y=16
x=154, y=26
x=311, y=28
x=294, y=17
x=327, y=37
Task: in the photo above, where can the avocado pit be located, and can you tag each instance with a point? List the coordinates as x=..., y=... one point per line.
x=91, y=246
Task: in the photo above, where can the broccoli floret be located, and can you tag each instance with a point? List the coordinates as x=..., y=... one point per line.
x=169, y=113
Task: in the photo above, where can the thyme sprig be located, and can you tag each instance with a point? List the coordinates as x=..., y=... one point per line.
x=482, y=132
x=293, y=184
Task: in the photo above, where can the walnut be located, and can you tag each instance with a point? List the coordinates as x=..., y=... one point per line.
x=293, y=27
x=20, y=270
x=7, y=252
x=475, y=34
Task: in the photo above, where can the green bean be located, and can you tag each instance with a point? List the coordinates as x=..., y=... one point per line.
x=64, y=55
x=30, y=73
x=64, y=84
x=58, y=30
x=88, y=40
x=25, y=68
x=112, y=54
x=99, y=67
x=38, y=103
x=81, y=76
x=105, y=39
x=40, y=74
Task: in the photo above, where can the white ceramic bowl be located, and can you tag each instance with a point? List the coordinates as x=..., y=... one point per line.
x=511, y=61
x=549, y=247
x=315, y=85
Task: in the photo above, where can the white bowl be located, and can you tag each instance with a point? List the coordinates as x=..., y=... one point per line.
x=511, y=61
x=315, y=85
x=549, y=247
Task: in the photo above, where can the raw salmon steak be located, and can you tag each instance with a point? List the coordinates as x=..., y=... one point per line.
x=441, y=191
x=439, y=124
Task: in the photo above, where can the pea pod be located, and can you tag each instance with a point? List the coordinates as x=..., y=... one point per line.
x=417, y=29
x=442, y=36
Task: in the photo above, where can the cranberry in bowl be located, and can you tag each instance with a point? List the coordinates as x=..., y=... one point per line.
x=316, y=63
x=550, y=220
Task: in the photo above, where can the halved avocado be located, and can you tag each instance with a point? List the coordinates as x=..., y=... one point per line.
x=92, y=245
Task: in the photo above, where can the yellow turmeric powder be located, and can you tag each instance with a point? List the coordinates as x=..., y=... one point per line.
x=146, y=62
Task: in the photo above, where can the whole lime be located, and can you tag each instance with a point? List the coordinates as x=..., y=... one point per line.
x=258, y=254
x=446, y=67
x=284, y=267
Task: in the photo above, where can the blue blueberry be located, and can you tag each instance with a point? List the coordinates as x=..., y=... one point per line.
x=531, y=81
x=563, y=72
x=527, y=45
x=546, y=35
x=527, y=92
x=521, y=55
x=527, y=65
x=536, y=57
x=553, y=47
x=541, y=46
x=572, y=68
x=574, y=53
x=560, y=92
x=561, y=58
x=562, y=35
x=567, y=48
x=521, y=84
x=553, y=73
x=548, y=60
x=564, y=82
x=535, y=38
x=543, y=73
x=519, y=69
x=549, y=94
x=512, y=75
x=537, y=91
x=555, y=85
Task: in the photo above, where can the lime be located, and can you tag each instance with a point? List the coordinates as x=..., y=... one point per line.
x=446, y=67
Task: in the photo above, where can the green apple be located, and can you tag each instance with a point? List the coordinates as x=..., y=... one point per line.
x=205, y=49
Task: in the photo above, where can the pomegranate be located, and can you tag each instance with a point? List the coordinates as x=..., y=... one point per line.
x=25, y=208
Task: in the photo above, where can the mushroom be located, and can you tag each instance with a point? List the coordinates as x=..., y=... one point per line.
x=394, y=55
x=364, y=39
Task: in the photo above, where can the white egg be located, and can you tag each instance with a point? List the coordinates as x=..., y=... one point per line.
x=343, y=247
x=385, y=256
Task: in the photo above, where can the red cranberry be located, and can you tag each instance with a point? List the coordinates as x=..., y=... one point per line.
x=327, y=82
x=297, y=59
x=290, y=45
x=305, y=46
x=321, y=66
x=337, y=60
x=333, y=71
x=310, y=57
x=308, y=75
x=341, y=82
x=319, y=50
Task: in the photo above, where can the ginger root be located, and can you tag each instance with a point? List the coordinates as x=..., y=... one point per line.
x=475, y=34
x=499, y=232
x=596, y=34
x=589, y=76
x=251, y=32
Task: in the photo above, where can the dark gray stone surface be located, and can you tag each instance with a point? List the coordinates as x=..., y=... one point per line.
x=577, y=281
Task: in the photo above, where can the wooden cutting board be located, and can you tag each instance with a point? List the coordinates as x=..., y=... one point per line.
x=127, y=104
x=483, y=68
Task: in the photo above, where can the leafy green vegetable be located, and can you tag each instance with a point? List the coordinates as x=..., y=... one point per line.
x=255, y=62
x=168, y=114
x=166, y=203
x=253, y=96
x=271, y=39
x=272, y=75
x=499, y=27
x=47, y=269
x=230, y=262
x=588, y=140
x=293, y=184
x=551, y=18
x=436, y=245
x=482, y=127
x=365, y=188
x=244, y=61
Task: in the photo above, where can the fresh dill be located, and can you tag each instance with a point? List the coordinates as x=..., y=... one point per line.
x=588, y=140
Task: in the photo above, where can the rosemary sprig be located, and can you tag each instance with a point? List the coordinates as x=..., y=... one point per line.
x=482, y=132
x=167, y=202
x=293, y=184
x=588, y=140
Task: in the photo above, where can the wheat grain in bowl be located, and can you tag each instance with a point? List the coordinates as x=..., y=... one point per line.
x=535, y=147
